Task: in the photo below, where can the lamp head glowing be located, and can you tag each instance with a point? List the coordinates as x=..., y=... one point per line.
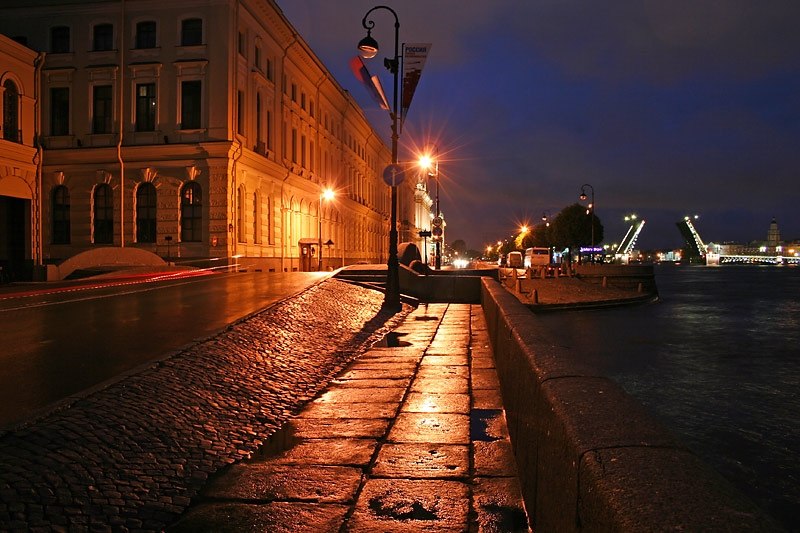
x=368, y=46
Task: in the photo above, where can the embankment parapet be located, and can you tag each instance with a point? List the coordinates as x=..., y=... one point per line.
x=590, y=458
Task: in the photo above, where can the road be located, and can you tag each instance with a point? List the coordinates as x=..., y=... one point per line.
x=59, y=341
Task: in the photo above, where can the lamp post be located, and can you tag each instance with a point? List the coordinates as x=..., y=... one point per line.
x=433, y=164
x=327, y=195
x=369, y=49
x=590, y=210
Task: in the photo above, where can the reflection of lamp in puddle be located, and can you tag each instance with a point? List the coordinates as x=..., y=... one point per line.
x=429, y=405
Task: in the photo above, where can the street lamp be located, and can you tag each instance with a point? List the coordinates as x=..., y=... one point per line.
x=369, y=49
x=327, y=195
x=590, y=210
x=429, y=164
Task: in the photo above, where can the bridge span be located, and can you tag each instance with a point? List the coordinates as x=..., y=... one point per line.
x=774, y=253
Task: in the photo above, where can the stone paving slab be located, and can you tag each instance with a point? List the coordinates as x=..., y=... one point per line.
x=442, y=462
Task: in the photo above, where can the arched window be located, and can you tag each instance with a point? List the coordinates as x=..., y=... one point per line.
x=270, y=222
x=60, y=215
x=240, y=215
x=256, y=217
x=11, y=112
x=191, y=213
x=146, y=213
x=103, y=214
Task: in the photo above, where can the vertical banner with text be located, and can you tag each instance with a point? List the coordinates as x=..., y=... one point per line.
x=414, y=56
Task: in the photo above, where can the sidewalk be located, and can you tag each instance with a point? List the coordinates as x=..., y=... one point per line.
x=410, y=437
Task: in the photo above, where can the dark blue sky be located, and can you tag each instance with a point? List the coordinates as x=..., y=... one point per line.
x=665, y=108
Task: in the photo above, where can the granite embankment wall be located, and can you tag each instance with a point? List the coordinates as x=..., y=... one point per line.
x=590, y=458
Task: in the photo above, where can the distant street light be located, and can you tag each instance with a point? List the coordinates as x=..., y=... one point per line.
x=589, y=210
x=431, y=166
x=327, y=195
x=369, y=49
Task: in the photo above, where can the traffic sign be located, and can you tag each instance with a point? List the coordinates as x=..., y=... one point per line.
x=437, y=231
x=393, y=175
x=437, y=221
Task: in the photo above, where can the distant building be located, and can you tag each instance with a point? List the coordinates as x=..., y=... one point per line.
x=774, y=234
x=203, y=131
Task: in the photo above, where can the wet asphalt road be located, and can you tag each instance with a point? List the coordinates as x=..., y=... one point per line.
x=57, y=342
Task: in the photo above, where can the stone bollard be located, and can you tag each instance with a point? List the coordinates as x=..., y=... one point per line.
x=519, y=285
x=535, y=296
x=639, y=288
x=605, y=282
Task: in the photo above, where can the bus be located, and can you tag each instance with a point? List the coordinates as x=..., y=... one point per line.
x=537, y=257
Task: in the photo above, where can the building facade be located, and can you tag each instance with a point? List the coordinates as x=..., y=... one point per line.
x=20, y=184
x=201, y=132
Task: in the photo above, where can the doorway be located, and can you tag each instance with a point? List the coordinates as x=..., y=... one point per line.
x=15, y=214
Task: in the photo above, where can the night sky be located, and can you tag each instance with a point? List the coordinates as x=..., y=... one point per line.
x=667, y=108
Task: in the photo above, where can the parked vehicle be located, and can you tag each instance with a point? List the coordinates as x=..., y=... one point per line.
x=537, y=257
x=515, y=260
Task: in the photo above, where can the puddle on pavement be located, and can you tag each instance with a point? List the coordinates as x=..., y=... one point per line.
x=278, y=443
x=426, y=317
x=506, y=518
x=392, y=340
x=481, y=422
x=401, y=510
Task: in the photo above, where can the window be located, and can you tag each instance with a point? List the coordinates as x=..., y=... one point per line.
x=240, y=112
x=257, y=58
x=242, y=47
x=270, y=235
x=294, y=92
x=303, y=151
x=240, y=215
x=190, y=104
x=146, y=34
x=146, y=107
x=191, y=32
x=103, y=214
x=294, y=145
x=269, y=69
x=256, y=218
x=103, y=37
x=102, y=109
x=60, y=215
x=191, y=213
x=146, y=213
x=59, y=40
x=259, y=128
x=269, y=129
x=11, y=130
x=59, y=111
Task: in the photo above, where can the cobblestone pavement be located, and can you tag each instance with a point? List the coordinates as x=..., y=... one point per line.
x=132, y=456
x=410, y=437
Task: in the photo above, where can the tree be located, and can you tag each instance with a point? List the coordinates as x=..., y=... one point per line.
x=572, y=228
x=459, y=247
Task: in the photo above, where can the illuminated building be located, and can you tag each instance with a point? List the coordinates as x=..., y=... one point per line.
x=203, y=131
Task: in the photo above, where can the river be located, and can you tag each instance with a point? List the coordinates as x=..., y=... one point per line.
x=717, y=359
